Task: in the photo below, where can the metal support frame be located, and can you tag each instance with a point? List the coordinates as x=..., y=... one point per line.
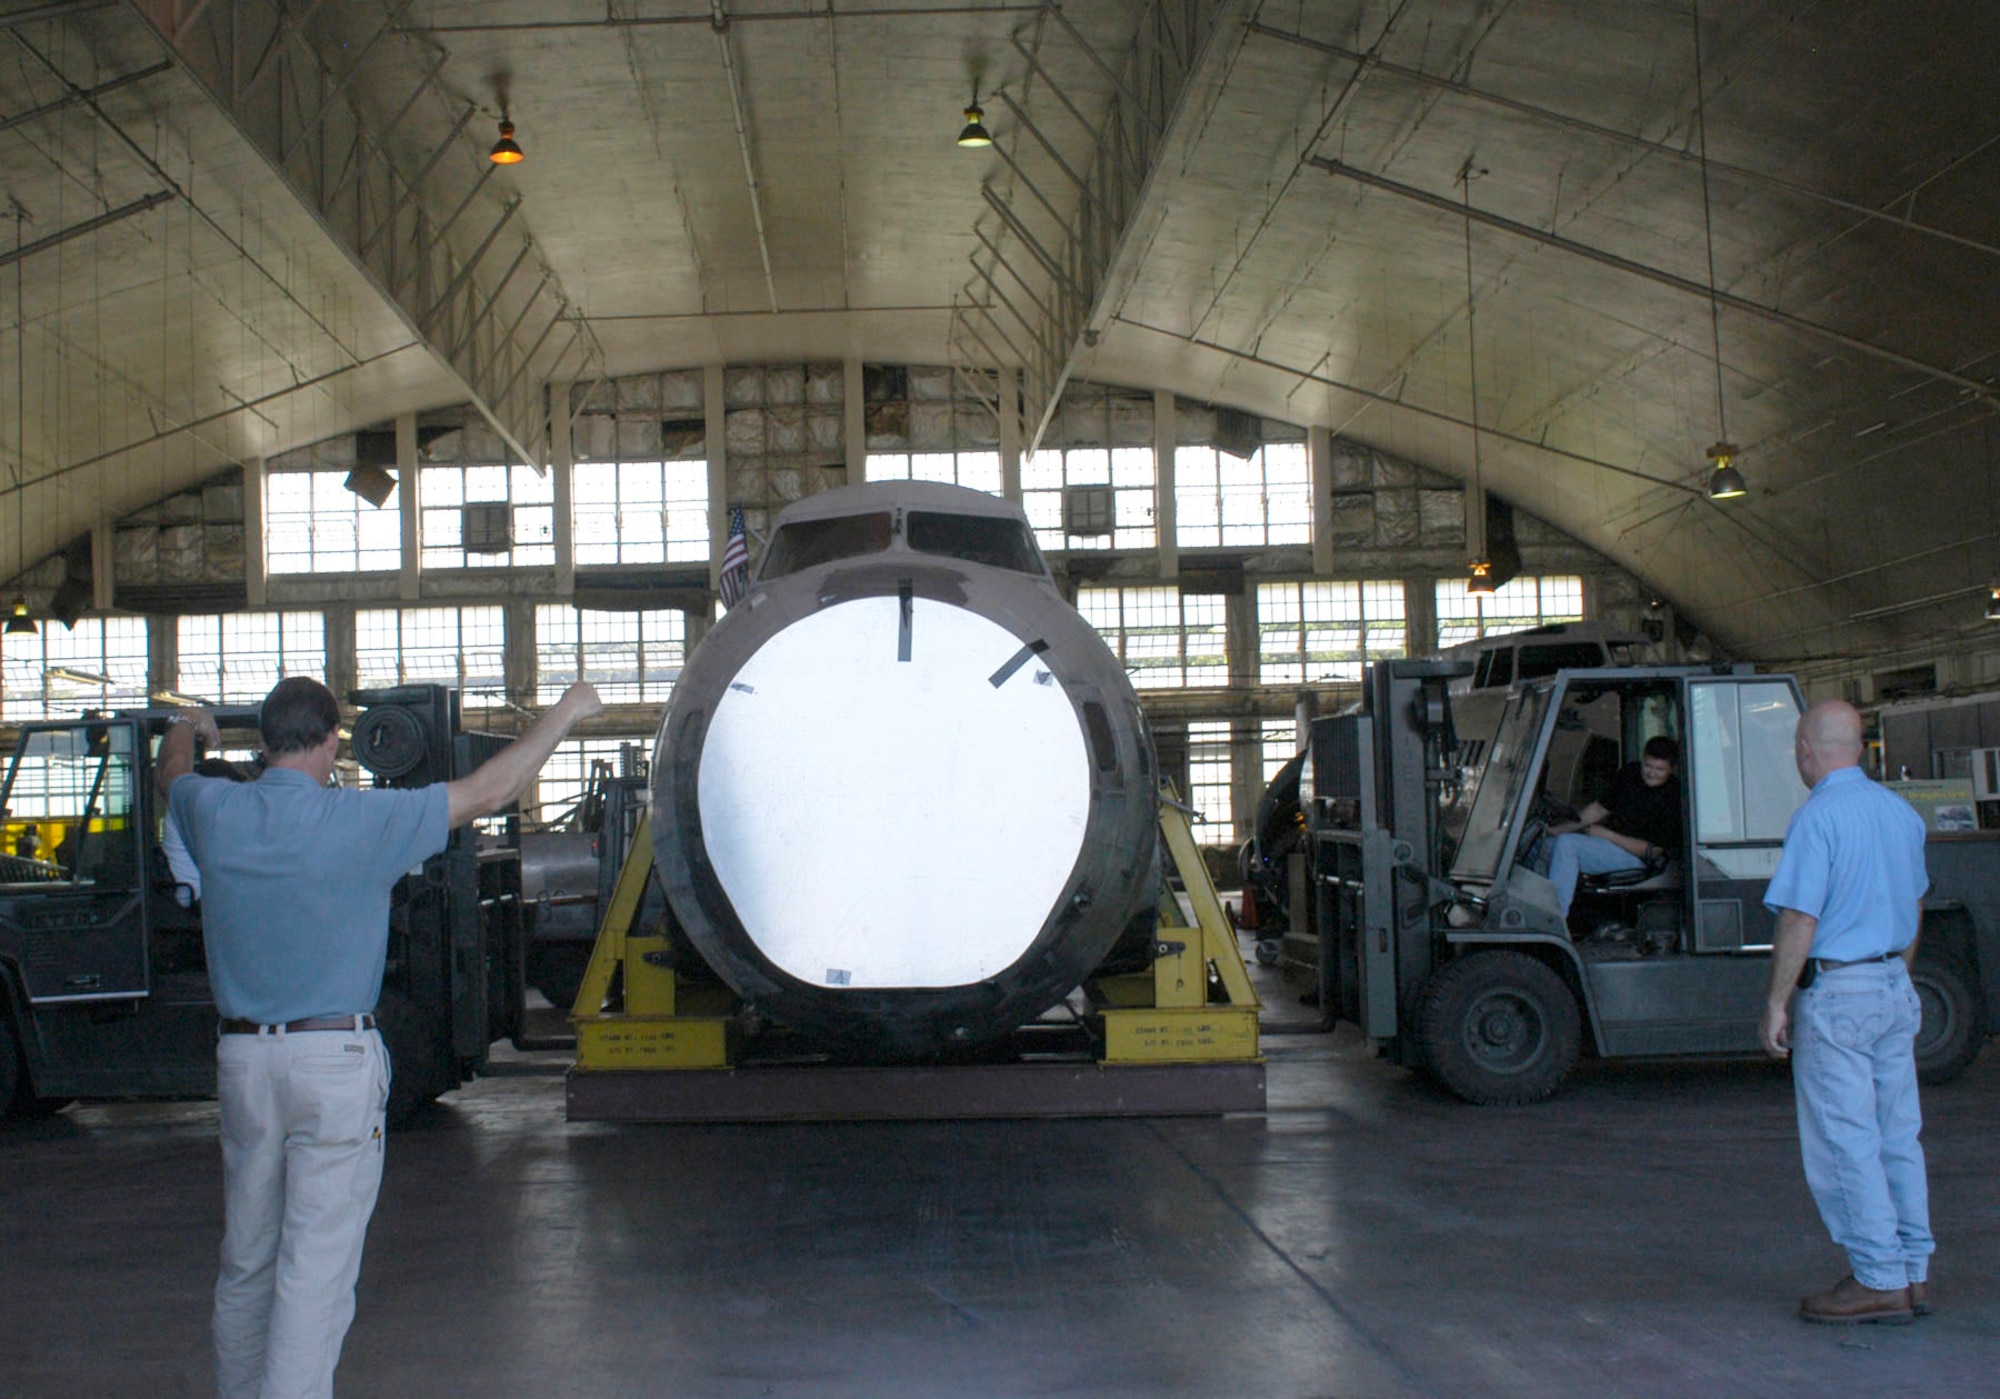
x=258, y=62
x=1087, y=254
x=1179, y=1038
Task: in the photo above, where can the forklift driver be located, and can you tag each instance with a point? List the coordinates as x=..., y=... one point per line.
x=1636, y=825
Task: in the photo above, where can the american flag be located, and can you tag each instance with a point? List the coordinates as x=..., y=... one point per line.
x=735, y=579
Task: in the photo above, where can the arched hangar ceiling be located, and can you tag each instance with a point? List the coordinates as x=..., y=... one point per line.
x=242, y=225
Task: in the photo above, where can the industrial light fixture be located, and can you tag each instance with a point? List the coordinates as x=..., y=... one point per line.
x=20, y=623
x=506, y=151
x=1725, y=482
x=1993, y=604
x=372, y=484
x=975, y=135
x=1479, y=583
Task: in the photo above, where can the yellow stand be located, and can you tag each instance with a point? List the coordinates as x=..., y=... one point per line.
x=1196, y=1005
x=663, y=1025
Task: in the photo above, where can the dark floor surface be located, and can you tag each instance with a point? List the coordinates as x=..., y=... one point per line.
x=1646, y=1233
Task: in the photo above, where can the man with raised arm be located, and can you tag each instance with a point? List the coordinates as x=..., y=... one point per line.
x=1848, y=896
x=296, y=878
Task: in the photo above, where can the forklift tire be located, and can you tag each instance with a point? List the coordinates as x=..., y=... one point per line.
x=1499, y=1028
x=1954, y=1026
x=13, y=1070
x=411, y=1057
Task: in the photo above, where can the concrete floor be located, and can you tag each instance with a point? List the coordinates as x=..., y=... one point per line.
x=1646, y=1233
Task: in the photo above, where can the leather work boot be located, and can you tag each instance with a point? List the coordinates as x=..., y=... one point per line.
x=1920, y=1298
x=1848, y=1303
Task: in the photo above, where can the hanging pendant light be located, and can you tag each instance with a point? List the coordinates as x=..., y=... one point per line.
x=974, y=136
x=20, y=623
x=506, y=151
x=1479, y=582
x=1725, y=482
x=1479, y=572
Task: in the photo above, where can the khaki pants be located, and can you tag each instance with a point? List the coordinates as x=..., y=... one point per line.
x=302, y=1122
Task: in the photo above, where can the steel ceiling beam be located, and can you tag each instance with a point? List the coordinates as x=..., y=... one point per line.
x=258, y=62
x=1086, y=245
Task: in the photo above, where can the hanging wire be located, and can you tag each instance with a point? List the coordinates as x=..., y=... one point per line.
x=1708, y=229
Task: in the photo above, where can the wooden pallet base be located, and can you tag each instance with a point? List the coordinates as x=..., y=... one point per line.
x=826, y=1093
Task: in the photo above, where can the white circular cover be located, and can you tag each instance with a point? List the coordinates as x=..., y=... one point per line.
x=882, y=823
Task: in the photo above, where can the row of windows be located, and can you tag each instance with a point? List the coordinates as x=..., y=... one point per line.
x=100, y=663
x=1308, y=632
x=657, y=511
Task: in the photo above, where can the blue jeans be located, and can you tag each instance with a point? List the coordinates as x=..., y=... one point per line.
x=1854, y=1068
x=1574, y=854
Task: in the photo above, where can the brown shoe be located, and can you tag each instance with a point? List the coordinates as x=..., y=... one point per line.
x=1920, y=1298
x=1848, y=1303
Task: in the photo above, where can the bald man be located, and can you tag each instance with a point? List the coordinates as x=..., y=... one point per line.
x=1848, y=896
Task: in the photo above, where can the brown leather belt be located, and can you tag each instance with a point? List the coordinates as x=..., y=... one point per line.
x=349, y=1023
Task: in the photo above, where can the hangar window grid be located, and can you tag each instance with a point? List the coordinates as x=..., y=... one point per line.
x=1130, y=472
x=464, y=647
x=978, y=470
x=1208, y=747
x=236, y=657
x=1222, y=501
x=314, y=524
x=1279, y=740
x=1527, y=601
x=58, y=672
x=563, y=778
x=640, y=511
x=526, y=496
x=1164, y=639
x=1309, y=632
x=631, y=657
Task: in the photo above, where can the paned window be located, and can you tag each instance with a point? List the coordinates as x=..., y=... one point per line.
x=640, y=511
x=1223, y=500
x=487, y=516
x=1520, y=604
x=1312, y=632
x=237, y=657
x=1107, y=493
x=463, y=647
x=1165, y=640
x=631, y=657
x=979, y=470
x=314, y=524
x=57, y=672
x=561, y=782
x=1209, y=783
x=1280, y=739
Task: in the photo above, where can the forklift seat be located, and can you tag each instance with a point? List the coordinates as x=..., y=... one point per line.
x=1663, y=873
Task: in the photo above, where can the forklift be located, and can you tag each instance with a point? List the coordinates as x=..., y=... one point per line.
x=104, y=987
x=1429, y=926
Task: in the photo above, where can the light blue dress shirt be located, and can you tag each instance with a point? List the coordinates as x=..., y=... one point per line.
x=295, y=883
x=1853, y=859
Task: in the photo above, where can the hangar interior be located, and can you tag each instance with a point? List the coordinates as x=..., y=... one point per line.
x=1275, y=317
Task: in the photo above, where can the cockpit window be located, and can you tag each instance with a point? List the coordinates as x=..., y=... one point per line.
x=992, y=540
x=805, y=543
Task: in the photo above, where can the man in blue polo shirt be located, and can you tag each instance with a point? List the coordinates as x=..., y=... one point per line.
x=296, y=878
x=1848, y=896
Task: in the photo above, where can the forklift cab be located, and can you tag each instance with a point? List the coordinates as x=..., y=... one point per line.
x=1673, y=958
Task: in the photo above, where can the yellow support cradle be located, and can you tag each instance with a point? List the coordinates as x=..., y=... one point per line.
x=1196, y=1005
x=658, y=1028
